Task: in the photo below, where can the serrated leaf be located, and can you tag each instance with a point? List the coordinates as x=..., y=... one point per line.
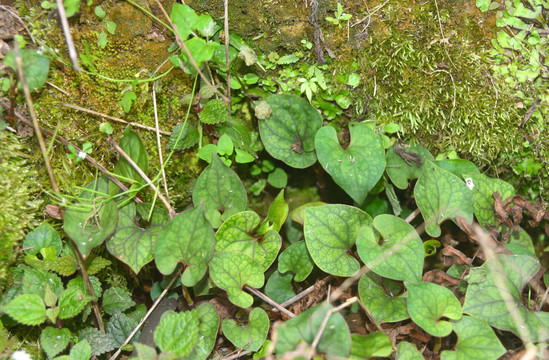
x=53, y=340
x=441, y=195
x=358, y=167
x=335, y=340
x=221, y=190
x=296, y=258
x=117, y=299
x=119, y=327
x=64, y=265
x=400, y=171
x=71, y=302
x=97, y=264
x=187, y=239
x=183, y=137
x=52, y=314
x=42, y=237
x=135, y=236
x=496, y=287
x=330, y=233
x=279, y=287
x=380, y=296
x=236, y=234
x=78, y=283
x=98, y=341
x=214, y=112
x=48, y=258
x=177, y=332
x=365, y=347
x=428, y=303
x=35, y=67
x=483, y=188
x=231, y=271
x=400, y=255
x=208, y=324
x=289, y=133
x=407, y=351
x=132, y=144
x=27, y=309
x=94, y=219
x=36, y=281
x=476, y=340
x=250, y=336
x=81, y=351
x=288, y=59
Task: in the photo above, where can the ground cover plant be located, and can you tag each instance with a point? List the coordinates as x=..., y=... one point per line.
x=400, y=252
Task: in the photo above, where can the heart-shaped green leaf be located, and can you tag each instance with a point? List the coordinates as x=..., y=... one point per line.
x=335, y=340
x=221, y=190
x=279, y=287
x=496, y=287
x=236, y=234
x=406, y=163
x=251, y=336
x=94, y=218
x=330, y=233
x=400, y=256
x=132, y=144
x=289, y=133
x=231, y=271
x=177, y=332
x=365, y=347
x=441, y=195
x=53, y=340
x=42, y=237
x=296, y=259
x=187, y=239
x=476, y=340
x=357, y=168
x=428, y=303
x=407, y=351
x=380, y=297
x=135, y=236
x=483, y=187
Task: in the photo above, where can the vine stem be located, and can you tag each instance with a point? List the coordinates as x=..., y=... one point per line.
x=159, y=145
x=270, y=301
x=67, y=33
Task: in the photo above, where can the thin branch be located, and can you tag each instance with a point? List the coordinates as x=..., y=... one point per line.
x=76, y=107
x=159, y=145
x=68, y=36
x=269, y=301
x=302, y=294
x=374, y=321
x=412, y=215
x=236, y=356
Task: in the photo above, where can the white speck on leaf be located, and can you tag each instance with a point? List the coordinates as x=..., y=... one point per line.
x=469, y=182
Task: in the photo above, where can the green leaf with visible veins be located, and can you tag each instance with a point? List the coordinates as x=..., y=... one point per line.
x=428, y=303
x=215, y=112
x=53, y=340
x=81, y=351
x=117, y=299
x=187, y=239
x=279, y=287
x=237, y=235
x=379, y=296
x=497, y=286
x=221, y=190
x=119, y=327
x=289, y=133
x=98, y=341
x=476, y=340
x=135, y=236
x=27, y=309
x=250, y=336
x=35, y=67
x=400, y=255
x=483, y=188
x=441, y=195
x=374, y=344
x=296, y=258
x=401, y=171
x=72, y=302
x=330, y=233
x=359, y=167
x=42, y=237
x=231, y=271
x=132, y=145
x=177, y=332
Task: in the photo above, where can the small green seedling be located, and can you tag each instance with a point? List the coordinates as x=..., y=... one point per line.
x=79, y=156
x=340, y=16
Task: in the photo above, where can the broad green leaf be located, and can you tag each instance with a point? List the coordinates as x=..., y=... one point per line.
x=221, y=190
x=278, y=211
x=201, y=51
x=236, y=234
x=177, y=332
x=379, y=295
x=357, y=168
x=183, y=137
x=27, y=309
x=135, y=236
x=64, y=265
x=35, y=67
x=98, y=341
x=145, y=352
x=458, y=167
x=400, y=255
x=250, y=336
x=407, y=351
x=407, y=167
x=289, y=133
x=187, y=239
x=53, y=340
x=42, y=237
x=78, y=283
x=476, y=340
x=483, y=187
x=278, y=178
x=225, y=145
x=279, y=287
x=71, y=302
x=48, y=256
x=296, y=258
x=119, y=327
x=215, y=112
x=330, y=233
x=496, y=288
x=36, y=281
x=521, y=243
x=298, y=214
x=187, y=21
x=231, y=271
x=441, y=195
x=97, y=264
x=428, y=303
x=81, y=351
x=365, y=347
x=243, y=157
x=94, y=218
x=117, y=299
x=132, y=144
x=208, y=323
x=335, y=340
